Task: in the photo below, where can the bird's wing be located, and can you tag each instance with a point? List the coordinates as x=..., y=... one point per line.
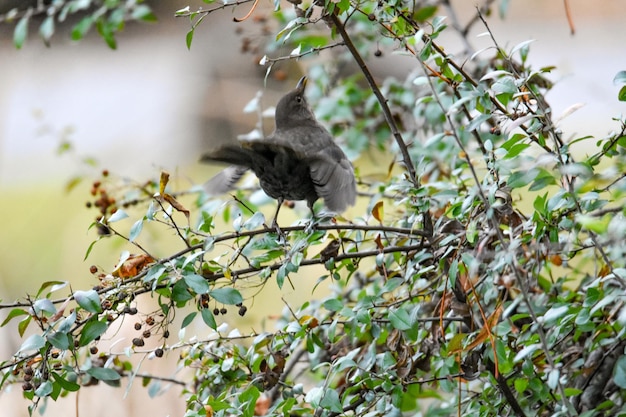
x=333, y=177
x=225, y=180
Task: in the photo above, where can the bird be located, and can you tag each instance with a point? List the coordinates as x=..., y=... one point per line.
x=299, y=160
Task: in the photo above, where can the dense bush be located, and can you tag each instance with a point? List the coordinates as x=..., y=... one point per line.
x=482, y=275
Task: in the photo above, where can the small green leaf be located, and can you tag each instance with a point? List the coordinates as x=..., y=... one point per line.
x=400, y=319
x=34, y=342
x=64, y=383
x=44, y=305
x=255, y=221
x=67, y=323
x=180, y=292
x=595, y=224
x=44, y=389
x=135, y=230
x=330, y=401
x=104, y=374
x=188, y=319
x=91, y=331
x=117, y=216
x=53, y=285
x=88, y=300
x=81, y=28
x=189, y=39
x=424, y=13
x=16, y=312
x=198, y=284
x=143, y=13
x=621, y=96
x=226, y=295
x=620, y=78
x=208, y=318
x=333, y=304
x=47, y=28
x=520, y=384
x=20, y=32
x=23, y=325
x=59, y=340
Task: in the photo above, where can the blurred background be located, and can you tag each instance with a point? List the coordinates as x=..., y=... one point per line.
x=152, y=104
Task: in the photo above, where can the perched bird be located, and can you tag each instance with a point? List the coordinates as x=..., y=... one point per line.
x=298, y=161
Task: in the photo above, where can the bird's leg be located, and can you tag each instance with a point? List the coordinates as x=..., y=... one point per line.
x=310, y=227
x=275, y=221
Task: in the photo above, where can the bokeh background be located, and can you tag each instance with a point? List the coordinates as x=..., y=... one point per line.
x=152, y=104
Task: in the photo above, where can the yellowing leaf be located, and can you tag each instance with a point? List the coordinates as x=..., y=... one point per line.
x=378, y=211
x=165, y=177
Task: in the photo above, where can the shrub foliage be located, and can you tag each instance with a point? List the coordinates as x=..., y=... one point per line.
x=482, y=274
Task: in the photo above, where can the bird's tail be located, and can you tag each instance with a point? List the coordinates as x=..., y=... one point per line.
x=224, y=181
x=234, y=155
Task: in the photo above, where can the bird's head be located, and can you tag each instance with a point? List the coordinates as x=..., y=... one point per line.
x=293, y=110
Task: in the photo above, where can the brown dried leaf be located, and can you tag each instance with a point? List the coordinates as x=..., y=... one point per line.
x=132, y=266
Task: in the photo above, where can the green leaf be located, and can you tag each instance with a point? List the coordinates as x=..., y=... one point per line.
x=20, y=32
x=104, y=374
x=67, y=323
x=16, y=312
x=53, y=285
x=93, y=329
x=143, y=13
x=60, y=340
x=117, y=216
x=255, y=221
x=44, y=305
x=477, y=121
x=135, y=230
x=226, y=295
x=208, y=318
x=81, y=28
x=44, y=389
x=198, y=284
x=105, y=29
x=400, y=319
x=424, y=13
x=330, y=401
x=620, y=78
x=47, y=28
x=64, y=383
x=180, y=292
x=595, y=224
x=333, y=304
x=621, y=96
x=23, y=325
x=188, y=319
x=88, y=300
x=34, y=342
x=189, y=39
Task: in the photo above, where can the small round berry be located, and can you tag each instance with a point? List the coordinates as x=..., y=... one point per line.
x=138, y=342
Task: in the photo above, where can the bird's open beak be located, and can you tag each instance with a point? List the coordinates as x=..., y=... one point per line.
x=301, y=84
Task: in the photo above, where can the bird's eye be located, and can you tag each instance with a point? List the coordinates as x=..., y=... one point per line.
x=299, y=99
